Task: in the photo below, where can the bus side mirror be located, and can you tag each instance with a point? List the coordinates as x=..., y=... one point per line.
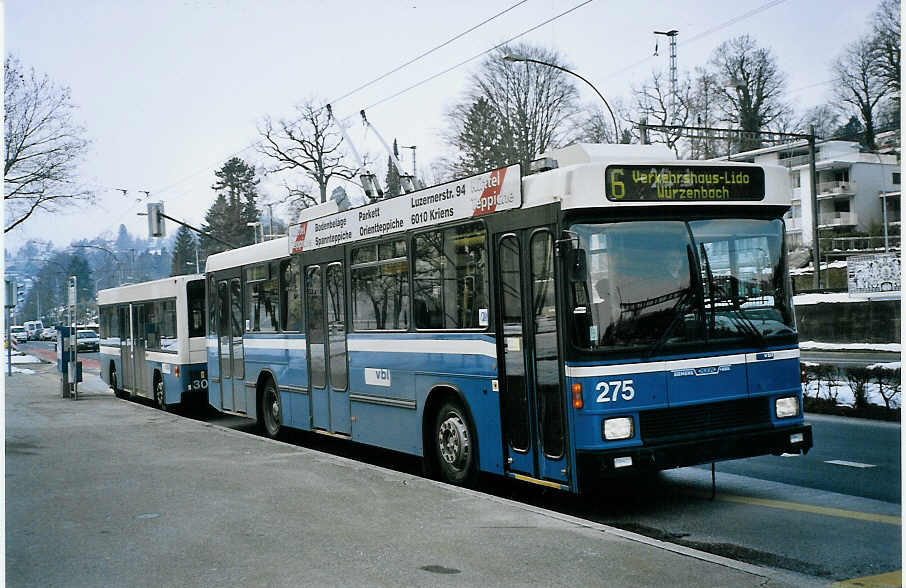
x=576, y=265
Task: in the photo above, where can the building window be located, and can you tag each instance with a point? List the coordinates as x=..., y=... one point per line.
x=796, y=180
x=380, y=286
x=896, y=178
x=450, y=279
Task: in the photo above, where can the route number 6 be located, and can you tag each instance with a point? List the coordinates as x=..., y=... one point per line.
x=608, y=391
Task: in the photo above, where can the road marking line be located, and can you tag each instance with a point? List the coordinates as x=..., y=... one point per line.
x=888, y=579
x=850, y=464
x=822, y=510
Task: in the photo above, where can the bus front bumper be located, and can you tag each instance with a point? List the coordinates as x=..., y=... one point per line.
x=688, y=452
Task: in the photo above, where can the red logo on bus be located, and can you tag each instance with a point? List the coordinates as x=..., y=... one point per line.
x=487, y=202
x=299, y=241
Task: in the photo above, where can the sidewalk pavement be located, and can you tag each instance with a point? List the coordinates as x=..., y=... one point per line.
x=105, y=492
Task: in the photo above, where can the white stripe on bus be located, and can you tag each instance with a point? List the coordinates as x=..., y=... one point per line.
x=447, y=346
x=653, y=366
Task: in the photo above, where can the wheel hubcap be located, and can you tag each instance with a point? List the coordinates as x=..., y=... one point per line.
x=453, y=441
x=160, y=393
x=275, y=409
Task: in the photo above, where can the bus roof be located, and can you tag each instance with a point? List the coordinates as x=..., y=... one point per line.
x=581, y=175
x=163, y=288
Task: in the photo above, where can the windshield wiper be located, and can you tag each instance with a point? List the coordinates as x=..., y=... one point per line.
x=678, y=309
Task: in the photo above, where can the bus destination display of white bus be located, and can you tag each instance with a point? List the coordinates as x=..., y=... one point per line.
x=637, y=183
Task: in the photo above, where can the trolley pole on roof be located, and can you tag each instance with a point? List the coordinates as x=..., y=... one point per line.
x=369, y=181
x=406, y=181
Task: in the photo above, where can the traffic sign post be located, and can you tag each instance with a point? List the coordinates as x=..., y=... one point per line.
x=71, y=375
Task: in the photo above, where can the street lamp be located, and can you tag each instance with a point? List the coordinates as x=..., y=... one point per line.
x=518, y=58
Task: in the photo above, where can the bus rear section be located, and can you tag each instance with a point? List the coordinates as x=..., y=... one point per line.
x=152, y=340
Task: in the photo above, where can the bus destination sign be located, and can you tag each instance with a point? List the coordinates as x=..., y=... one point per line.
x=683, y=183
x=492, y=191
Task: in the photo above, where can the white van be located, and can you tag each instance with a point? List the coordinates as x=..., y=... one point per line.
x=33, y=329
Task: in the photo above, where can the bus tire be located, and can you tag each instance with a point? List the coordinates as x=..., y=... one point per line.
x=113, y=383
x=454, y=445
x=160, y=393
x=271, y=410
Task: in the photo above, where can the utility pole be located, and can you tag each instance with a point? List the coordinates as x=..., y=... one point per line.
x=671, y=34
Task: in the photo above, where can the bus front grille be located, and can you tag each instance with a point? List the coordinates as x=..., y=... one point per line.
x=671, y=424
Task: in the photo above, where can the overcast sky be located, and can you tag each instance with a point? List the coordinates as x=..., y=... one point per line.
x=168, y=90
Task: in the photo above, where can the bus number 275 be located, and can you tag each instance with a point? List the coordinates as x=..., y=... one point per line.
x=611, y=391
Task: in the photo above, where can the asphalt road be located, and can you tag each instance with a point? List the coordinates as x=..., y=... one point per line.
x=850, y=358
x=836, y=521
x=855, y=457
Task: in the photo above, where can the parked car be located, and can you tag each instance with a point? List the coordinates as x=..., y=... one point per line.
x=48, y=334
x=88, y=341
x=18, y=334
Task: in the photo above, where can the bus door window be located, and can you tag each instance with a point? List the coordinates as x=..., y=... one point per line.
x=236, y=322
x=195, y=303
x=547, y=376
x=315, y=322
x=223, y=322
x=336, y=325
x=515, y=392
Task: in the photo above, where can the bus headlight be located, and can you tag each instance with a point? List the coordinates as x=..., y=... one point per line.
x=617, y=428
x=786, y=407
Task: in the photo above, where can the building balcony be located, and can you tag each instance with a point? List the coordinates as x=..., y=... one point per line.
x=838, y=219
x=794, y=161
x=830, y=189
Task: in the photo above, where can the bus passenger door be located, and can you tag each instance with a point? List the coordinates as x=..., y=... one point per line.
x=532, y=398
x=326, y=343
x=126, y=352
x=231, y=354
x=139, y=344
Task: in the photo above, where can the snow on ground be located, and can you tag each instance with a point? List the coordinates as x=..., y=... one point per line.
x=26, y=371
x=25, y=359
x=893, y=365
x=892, y=347
x=845, y=396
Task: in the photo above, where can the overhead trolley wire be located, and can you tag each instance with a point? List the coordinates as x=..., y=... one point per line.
x=705, y=33
x=474, y=57
x=366, y=84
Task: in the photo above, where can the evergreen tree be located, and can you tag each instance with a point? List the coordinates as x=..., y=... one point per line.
x=392, y=181
x=481, y=140
x=183, y=259
x=235, y=206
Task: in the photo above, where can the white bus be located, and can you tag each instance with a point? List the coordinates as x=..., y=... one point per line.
x=152, y=340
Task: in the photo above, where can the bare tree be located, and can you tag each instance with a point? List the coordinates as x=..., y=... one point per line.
x=751, y=89
x=532, y=103
x=654, y=101
x=43, y=145
x=858, y=85
x=305, y=144
x=595, y=125
x=886, y=42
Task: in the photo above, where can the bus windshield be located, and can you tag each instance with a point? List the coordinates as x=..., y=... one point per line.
x=661, y=286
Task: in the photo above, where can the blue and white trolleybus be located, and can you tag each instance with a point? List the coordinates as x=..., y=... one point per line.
x=615, y=311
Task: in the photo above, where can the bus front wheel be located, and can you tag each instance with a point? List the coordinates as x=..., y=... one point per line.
x=454, y=443
x=271, y=410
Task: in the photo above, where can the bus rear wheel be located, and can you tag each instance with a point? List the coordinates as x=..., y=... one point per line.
x=271, y=410
x=113, y=383
x=454, y=444
x=160, y=393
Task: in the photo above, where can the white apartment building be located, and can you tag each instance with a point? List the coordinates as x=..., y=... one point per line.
x=852, y=188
